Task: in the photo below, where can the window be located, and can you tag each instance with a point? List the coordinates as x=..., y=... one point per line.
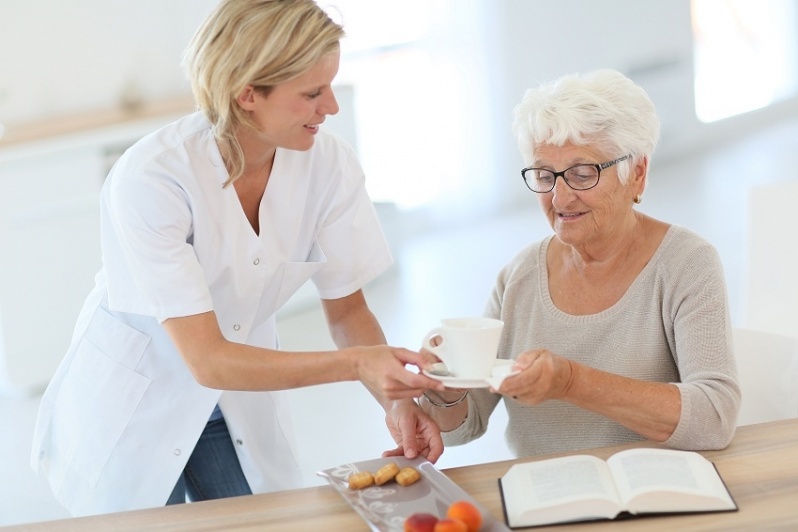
x=745, y=55
x=414, y=72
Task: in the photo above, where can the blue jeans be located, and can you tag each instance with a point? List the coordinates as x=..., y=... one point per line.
x=213, y=470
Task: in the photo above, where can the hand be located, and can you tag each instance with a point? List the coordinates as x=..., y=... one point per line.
x=382, y=370
x=543, y=376
x=413, y=430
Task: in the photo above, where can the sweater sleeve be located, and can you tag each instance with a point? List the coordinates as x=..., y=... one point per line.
x=701, y=341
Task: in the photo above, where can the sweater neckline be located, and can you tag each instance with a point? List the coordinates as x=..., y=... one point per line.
x=612, y=310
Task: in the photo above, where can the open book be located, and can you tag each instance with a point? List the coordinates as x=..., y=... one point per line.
x=634, y=481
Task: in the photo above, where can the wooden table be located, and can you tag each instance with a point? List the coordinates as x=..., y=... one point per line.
x=760, y=467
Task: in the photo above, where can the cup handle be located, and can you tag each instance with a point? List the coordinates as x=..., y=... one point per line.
x=437, y=331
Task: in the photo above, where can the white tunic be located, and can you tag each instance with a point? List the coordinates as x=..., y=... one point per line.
x=123, y=412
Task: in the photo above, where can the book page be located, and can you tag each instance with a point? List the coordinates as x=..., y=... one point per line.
x=665, y=480
x=561, y=489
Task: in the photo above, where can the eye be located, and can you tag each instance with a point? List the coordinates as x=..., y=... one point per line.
x=544, y=176
x=313, y=95
x=582, y=173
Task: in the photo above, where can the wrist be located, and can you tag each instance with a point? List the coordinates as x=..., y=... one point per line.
x=569, y=379
x=437, y=400
x=352, y=359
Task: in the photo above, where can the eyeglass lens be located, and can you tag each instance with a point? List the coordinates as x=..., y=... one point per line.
x=580, y=177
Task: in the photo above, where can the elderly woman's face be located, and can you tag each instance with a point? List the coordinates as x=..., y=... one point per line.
x=583, y=217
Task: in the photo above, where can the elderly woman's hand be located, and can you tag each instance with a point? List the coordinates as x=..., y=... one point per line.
x=542, y=375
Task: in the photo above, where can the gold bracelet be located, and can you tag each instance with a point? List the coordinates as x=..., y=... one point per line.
x=445, y=404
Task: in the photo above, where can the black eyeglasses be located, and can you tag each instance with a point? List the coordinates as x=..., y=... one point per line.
x=578, y=177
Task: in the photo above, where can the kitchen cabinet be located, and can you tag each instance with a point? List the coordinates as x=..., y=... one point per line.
x=49, y=244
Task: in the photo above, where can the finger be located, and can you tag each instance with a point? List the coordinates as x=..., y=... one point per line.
x=395, y=394
x=407, y=427
x=421, y=382
x=397, y=451
x=407, y=356
x=423, y=359
x=434, y=447
x=428, y=359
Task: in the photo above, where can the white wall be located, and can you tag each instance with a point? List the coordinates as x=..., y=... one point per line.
x=64, y=56
x=649, y=41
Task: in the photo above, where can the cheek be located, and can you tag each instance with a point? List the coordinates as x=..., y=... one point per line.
x=544, y=200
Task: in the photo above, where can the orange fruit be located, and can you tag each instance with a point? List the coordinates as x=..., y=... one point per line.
x=467, y=513
x=448, y=524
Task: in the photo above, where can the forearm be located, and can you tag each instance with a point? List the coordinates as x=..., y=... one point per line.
x=356, y=326
x=651, y=409
x=226, y=365
x=219, y=363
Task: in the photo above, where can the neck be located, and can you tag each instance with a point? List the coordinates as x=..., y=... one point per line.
x=613, y=249
x=258, y=155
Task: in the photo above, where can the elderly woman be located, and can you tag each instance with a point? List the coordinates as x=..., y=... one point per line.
x=618, y=322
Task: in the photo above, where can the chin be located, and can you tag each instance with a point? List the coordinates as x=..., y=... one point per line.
x=300, y=146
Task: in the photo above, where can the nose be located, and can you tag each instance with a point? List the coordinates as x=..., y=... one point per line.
x=329, y=105
x=562, y=194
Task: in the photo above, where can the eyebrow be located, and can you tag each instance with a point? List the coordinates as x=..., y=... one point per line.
x=541, y=164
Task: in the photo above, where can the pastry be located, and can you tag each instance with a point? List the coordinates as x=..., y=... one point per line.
x=407, y=476
x=386, y=473
x=360, y=480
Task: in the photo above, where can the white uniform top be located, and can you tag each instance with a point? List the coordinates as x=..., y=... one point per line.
x=122, y=414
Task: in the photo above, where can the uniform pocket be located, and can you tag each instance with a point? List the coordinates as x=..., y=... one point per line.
x=295, y=274
x=98, y=396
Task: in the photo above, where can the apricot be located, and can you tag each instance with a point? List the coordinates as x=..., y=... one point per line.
x=420, y=522
x=448, y=524
x=467, y=513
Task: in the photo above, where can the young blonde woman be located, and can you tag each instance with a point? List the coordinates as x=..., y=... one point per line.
x=209, y=225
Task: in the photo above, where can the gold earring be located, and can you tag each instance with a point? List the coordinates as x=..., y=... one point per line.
x=638, y=199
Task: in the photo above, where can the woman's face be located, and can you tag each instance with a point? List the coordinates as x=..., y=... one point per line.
x=289, y=116
x=585, y=217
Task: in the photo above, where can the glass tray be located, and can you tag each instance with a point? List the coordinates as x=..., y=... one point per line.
x=385, y=507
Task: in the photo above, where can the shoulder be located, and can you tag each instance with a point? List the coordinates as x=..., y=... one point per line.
x=524, y=264
x=165, y=169
x=682, y=246
x=177, y=148
x=188, y=133
x=528, y=258
x=688, y=265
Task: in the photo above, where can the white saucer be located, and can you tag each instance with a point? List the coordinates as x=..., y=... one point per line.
x=500, y=368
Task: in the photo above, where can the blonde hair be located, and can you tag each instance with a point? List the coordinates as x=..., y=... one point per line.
x=604, y=108
x=252, y=42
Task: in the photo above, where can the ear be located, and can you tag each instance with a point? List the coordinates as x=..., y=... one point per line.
x=246, y=98
x=639, y=175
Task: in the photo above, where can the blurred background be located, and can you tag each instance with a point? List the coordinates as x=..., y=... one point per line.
x=427, y=89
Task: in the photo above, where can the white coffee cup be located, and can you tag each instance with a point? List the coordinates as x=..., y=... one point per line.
x=468, y=346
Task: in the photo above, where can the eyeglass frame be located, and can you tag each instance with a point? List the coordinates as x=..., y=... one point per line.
x=598, y=167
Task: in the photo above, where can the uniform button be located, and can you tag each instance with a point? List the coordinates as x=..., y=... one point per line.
x=256, y=262
x=236, y=327
x=239, y=442
x=177, y=452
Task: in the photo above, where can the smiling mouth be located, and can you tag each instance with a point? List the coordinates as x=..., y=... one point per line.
x=569, y=215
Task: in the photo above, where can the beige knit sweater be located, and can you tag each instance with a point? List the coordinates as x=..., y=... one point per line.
x=672, y=325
